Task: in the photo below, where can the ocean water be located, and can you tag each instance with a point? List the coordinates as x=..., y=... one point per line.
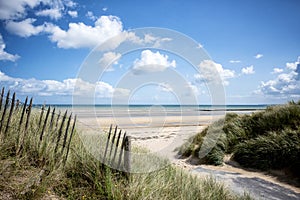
x=109, y=111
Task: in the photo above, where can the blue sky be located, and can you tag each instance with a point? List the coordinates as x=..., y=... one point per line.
x=254, y=46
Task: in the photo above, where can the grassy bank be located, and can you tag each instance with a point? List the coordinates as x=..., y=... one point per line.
x=37, y=172
x=264, y=140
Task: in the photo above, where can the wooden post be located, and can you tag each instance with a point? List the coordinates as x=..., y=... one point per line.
x=21, y=120
x=70, y=139
x=41, y=116
x=10, y=113
x=17, y=104
x=112, y=144
x=51, y=121
x=26, y=126
x=23, y=112
x=44, y=126
x=60, y=132
x=2, y=94
x=107, y=142
x=66, y=135
x=121, y=152
x=116, y=149
x=127, y=155
x=4, y=111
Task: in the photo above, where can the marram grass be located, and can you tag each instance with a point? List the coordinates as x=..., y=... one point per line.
x=35, y=173
x=268, y=139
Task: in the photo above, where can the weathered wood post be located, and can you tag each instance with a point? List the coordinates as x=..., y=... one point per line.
x=121, y=152
x=10, y=114
x=127, y=156
x=2, y=94
x=44, y=126
x=70, y=139
x=4, y=111
x=28, y=110
x=107, y=142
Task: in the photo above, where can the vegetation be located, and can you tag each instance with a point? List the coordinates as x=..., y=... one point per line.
x=37, y=172
x=264, y=140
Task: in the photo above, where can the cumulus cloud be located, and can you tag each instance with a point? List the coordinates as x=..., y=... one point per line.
x=73, y=14
x=152, y=62
x=287, y=82
x=277, y=70
x=66, y=87
x=4, y=55
x=12, y=10
x=108, y=59
x=80, y=35
x=53, y=13
x=248, y=70
x=24, y=28
x=15, y=9
x=258, y=56
x=213, y=72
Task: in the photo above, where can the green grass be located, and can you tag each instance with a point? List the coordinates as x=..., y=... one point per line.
x=36, y=172
x=265, y=140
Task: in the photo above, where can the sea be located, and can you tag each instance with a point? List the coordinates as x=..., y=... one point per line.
x=109, y=111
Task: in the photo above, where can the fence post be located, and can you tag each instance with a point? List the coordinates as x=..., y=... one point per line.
x=107, y=142
x=127, y=156
x=116, y=149
x=28, y=110
x=2, y=94
x=66, y=135
x=112, y=144
x=10, y=113
x=44, y=126
x=60, y=131
x=41, y=116
x=121, y=152
x=4, y=111
x=21, y=120
x=70, y=139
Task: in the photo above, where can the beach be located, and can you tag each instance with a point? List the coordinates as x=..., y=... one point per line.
x=162, y=130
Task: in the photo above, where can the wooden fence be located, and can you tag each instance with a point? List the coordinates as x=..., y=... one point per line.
x=52, y=127
x=117, y=152
x=59, y=128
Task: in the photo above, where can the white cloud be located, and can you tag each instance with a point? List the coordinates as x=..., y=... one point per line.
x=73, y=14
x=15, y=9
x=286, y=84
x=152, y=62
x=277, y=70
x=60, y=88
x=258, y=56
x=90, y=15
x=53, y=13
x=248, y=70
x=210, y=71
x=24, y=28
x=4, y=55
x=80, y=35
x=292, y=66
x=235, y=61
x=104, y=9
x=108, y=59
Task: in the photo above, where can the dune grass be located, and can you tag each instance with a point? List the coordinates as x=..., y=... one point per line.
x=36, y=172
x=268, y=139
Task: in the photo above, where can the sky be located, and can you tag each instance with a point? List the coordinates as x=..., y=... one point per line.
x=251, y=47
